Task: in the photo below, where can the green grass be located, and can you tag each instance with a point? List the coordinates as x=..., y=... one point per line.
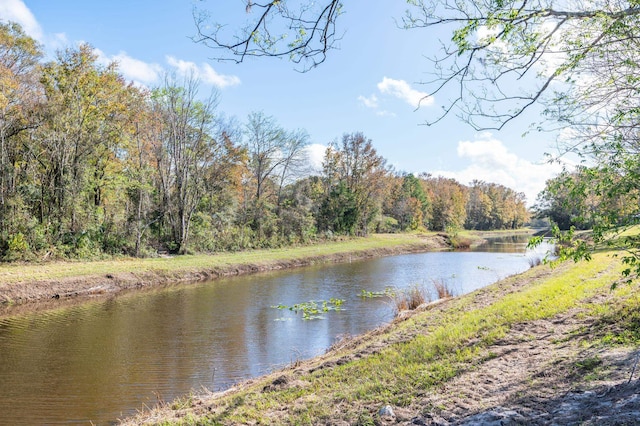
x=26, y=272
x=444, y=344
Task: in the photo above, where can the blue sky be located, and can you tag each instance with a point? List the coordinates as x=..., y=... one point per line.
x=369, y=85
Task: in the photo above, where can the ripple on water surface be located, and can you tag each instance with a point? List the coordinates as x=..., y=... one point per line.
x=101, y=360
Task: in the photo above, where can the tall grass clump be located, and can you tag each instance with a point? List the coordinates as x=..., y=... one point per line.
x=534, y=261
x=411, y=298
x=457, y=241
x=443, y=290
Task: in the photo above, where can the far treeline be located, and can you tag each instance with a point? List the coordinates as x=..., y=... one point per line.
x=92, y=165
x=591, y=198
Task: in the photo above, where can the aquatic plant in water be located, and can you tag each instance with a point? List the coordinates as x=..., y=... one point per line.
x=388, y=292
x=313, y=309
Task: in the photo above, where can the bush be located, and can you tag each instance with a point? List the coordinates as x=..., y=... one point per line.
x=17, y=247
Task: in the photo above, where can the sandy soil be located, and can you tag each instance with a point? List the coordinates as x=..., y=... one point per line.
x=531, y=379
x=541, y=373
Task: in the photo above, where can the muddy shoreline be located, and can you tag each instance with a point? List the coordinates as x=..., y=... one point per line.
x=16, y=298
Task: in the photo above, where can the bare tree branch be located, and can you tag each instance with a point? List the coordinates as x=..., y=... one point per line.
x=304, y=35
x=504, y=56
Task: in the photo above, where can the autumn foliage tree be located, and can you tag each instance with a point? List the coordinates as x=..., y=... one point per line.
x=355, y=177
x=407, y=203
x=85, y=126
x=494, y=206
x=20, y=100
x=448, y=203
x=91, y=165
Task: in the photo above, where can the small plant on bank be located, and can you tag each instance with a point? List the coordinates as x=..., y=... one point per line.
x=534, y=261
x=417, y=295
x=456, y=240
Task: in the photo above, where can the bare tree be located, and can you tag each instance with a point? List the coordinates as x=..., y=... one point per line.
x=275, y=156
x=185, y=149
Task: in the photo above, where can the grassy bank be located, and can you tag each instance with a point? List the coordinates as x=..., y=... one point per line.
x=547, y=331
x=23, y=283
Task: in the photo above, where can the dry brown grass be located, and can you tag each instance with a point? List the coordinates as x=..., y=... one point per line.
x=443, y=290
x=534, y=261
x=411, y=298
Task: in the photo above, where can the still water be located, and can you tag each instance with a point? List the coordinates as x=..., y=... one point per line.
x=100, y=361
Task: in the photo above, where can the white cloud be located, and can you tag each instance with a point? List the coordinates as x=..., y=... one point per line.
x=138, y=70
x=206, y=73
x=491, y=161
x=402, y=90
x=315, y=153
x=373, y=103
x=133, y=69
x=399, y=89
x=370, y=102
x=17, y=11
x=57, y=41
x=487, y=152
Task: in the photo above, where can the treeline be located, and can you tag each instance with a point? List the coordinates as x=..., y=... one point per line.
x=592, y=197
x=92, y=165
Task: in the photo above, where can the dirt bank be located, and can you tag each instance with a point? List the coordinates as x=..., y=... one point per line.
x=554, y=370
x=16, y=297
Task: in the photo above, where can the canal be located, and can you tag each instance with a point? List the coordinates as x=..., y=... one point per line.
x=103, y=360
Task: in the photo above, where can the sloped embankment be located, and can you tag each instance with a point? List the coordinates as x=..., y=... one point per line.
x=550, y=346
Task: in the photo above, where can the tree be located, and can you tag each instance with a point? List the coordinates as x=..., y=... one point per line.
x=141, y=173
x=494, y=206
x=188, y=144
x=86, y=126
x=299, y=208
x=275, y=156
x=448, y=203
x=479, y=208
x=407, y=203
x=20, y=100
x=339, y=211
x=565, y=201
x=353, y=170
